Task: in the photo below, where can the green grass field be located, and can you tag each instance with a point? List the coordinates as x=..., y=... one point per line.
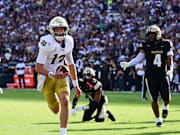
x=25, y=112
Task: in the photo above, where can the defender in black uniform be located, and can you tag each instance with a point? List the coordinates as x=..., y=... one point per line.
x=93, y=90
x=159, y=66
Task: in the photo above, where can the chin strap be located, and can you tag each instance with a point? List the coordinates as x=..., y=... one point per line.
x=59, y=38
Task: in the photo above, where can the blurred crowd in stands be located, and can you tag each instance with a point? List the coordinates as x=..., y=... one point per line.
x=105, y=32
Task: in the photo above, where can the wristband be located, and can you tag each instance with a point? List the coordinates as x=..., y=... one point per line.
x=75, y=83
x=51, y=74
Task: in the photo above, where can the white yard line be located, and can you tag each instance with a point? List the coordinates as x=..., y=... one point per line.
x=1, y=126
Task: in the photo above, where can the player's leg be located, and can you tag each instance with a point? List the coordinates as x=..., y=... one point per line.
x=19, y=79
x=151, y=84
x=88, y=114
x=166, y=96
x=101, y=114
x=63, y=91
x=155, y=108
x=138, y=82
x=50, y=95
x=144, y=89
x=64, y=116
x=24, y=81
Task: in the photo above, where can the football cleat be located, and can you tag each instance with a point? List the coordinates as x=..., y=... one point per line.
x=110, y=116
x=165, y=109
x=144, y=98
x=159, y=122
x=164, y=113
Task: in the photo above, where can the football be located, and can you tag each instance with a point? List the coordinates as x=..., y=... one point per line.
x=64, y=69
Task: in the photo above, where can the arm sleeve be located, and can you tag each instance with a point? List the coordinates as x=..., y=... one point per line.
x=42, y=56
x=97, y=86
x=170, y=52
x=137, y=59
x=69, y=58
x=43, y=50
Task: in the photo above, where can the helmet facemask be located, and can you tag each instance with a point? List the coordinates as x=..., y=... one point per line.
x=153, y=29
x=88, y=74
x=59, y=36
x=58, y=22
x=151, y=36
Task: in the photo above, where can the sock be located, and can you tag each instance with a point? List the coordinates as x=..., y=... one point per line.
x=63, y=131
x=158, y=119
x=165, y=107
x=106, y=115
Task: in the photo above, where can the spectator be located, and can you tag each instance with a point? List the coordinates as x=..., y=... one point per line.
x=175, y=82
x=7, y=54
x=139, y=75
x=20, y=70
x=95, y=26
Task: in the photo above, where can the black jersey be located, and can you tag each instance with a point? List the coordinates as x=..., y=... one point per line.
x=90, y=87
x=156, y=56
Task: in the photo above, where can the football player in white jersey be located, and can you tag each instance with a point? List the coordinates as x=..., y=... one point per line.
x=55, y=49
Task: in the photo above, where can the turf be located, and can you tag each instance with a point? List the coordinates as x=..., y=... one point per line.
x=25, y=112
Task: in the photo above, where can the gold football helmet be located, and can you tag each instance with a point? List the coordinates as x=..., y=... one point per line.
x=88, y=73
x=154, y=29
x=58, y=22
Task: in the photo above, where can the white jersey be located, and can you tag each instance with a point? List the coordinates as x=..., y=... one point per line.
x=52, y=54
x=140, y=66
x=20, y=67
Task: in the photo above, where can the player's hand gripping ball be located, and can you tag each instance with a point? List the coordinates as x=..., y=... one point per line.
x=63, y=69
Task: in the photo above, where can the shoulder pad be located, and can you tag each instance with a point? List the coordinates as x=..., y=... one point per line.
x=97, y=85
x=45, y=42
x=69, y=41
x=169, y=42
